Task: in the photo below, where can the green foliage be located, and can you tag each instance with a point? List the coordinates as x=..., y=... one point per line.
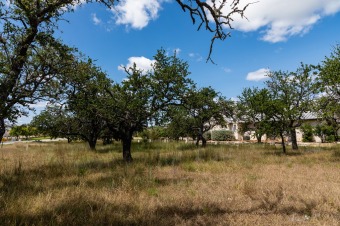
x=153, y=133
x=222, y=135
x=23, y=130
x=80, y=116
x=328, y=105
x=207, y=135
x=325, y=132
x=32, y=60
x=246, y=137
x=308, y=133
x=292, y=94
x=252, y=108
x=202, y=110
x=144, y=97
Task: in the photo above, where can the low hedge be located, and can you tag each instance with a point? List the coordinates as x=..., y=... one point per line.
x=222, y=135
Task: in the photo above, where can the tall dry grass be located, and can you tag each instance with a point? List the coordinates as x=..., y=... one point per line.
x=168, y=184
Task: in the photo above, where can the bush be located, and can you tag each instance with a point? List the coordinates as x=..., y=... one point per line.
x=222, y=135
x=308, y=132
x=330, y=138
x=325, y=132
x=207, y=135
x=246, y=137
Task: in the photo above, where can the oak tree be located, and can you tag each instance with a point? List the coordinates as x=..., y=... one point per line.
x=328, y=80
x=143, y=98
x=293, y=93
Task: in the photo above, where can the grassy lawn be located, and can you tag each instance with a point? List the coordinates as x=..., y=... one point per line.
x=168, y=184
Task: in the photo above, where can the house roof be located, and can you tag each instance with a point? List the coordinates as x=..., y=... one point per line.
x=310, y=115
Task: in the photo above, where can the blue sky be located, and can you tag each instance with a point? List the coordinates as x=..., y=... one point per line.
x=278, y=35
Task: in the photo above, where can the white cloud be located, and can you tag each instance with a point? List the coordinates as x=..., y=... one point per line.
x=136, y=14
x=226, y=70
x=95, y=19
x=283, y=19
x=74, y=5
x=196, y=56
x=39, y=105
x=142, y=63
x=258, y=75
x=177, y=51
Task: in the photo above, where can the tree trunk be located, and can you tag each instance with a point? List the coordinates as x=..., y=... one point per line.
x=127, y=149
x=293, y=139
x=204, y=142
x=2, y=129
x=258, y=137
x=283, y=143
x=197, y=141
x=200, y=137
x=92, y=143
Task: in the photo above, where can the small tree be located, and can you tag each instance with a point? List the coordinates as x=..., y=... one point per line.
x=251, y=109
x=144, y=98
x=206, y=108
x=293, y=93
x=325, y=132
x=328, y=105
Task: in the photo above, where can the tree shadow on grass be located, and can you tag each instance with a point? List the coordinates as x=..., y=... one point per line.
x=280, y=153
x=84, y=210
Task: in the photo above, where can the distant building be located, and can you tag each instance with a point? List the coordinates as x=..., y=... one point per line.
x=231, y=125
x=234, y=125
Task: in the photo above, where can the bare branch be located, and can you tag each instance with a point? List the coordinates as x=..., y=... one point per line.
x=213, y=17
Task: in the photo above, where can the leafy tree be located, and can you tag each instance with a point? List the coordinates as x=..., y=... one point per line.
x=55, y=121
x=30, y=56
x=329, y=83
x=180, y=123
x=293, y=93
x=79, y=116
x=153, y=133
x=201, y=111
x=85, y=90
x=15, y=132
x=252, y=106
x=204, y=106
x=325, y=132
x=23, y=130
x=144, y=97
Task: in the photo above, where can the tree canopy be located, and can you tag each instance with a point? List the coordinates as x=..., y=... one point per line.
x=252, y=109
x=31, y=57
x=143, y=98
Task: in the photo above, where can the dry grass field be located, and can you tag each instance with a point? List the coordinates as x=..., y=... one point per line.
x=168, y=184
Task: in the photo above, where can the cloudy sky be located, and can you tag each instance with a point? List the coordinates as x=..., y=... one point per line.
x=277, y=35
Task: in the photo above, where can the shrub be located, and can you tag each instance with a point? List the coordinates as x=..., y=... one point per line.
x=325, y=132
x=207, y=135
x=222, y=135
x=246, y=137
x=308, y=132
x=330, y=138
